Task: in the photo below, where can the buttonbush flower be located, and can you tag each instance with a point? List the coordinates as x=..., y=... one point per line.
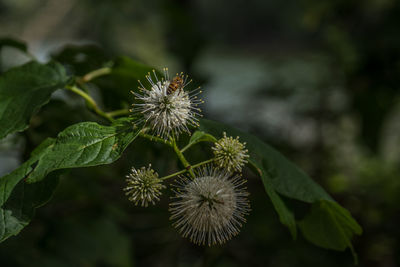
x=210, y=209
x=143, y=186
x=165, y=106
x=230, y=153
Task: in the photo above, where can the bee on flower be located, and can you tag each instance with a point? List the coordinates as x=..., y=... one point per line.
x=210, y=208
x=165, y=106
x=230, y=153
x=143, y=186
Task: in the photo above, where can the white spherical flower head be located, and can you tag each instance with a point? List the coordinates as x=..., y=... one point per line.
x=143, y=186
x=210, y=209
x=165, y=106
x=230, y=153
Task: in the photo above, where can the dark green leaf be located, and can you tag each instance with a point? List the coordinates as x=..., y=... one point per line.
x=20, y=45
x=286, y=178
x=8, y=182
x=83, y=145
x=286, y=216
x=329, y=225
x=200, y=136
x=81, y=59
x=23, y=90
x=20, y=207
x=122, y=80
x=80, y=145
x=281, y=176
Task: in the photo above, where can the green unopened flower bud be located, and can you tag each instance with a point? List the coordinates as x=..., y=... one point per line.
x=143, y=186
x=230, y=153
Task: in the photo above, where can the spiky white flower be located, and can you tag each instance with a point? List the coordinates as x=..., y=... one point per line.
x=143, y=186
x=230, y=153
x=167, y=108
x=210, y=209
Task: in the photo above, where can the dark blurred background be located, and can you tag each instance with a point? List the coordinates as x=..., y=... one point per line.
x=319, y=80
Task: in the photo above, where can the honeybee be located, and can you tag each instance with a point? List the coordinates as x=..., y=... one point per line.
x=176, y=84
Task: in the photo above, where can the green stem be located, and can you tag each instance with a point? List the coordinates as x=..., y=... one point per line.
x=94, y=74
x=118, y=112
x=154, y=138
x=186, y=147
x=209, y=139
x=182, y=158
x=183, y=171
x=173, y=175
x=90, y=102
x=203, y=163
x=171, y=143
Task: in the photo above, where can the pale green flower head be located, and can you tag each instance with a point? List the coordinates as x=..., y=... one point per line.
x=143, y=186
x=230, y=153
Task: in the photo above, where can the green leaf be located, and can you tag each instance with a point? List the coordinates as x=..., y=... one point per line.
x=8, y=182
x=19, y=199
x=281, y=176
x=23, y=90
x=127, y=68
x=83, y=145
x=115, y=86
x=17, y=44
x=286, y=216
x=20, y=207
x=285, y=177
x=81, y=59
x=124, y=76
x=80, y=145
x=330, y=226
x=199, y=136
